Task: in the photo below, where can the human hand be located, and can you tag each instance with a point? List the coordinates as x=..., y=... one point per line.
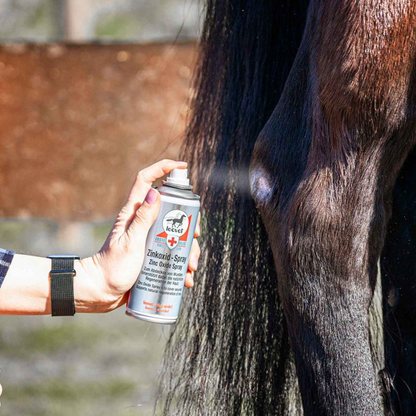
x=115, y=268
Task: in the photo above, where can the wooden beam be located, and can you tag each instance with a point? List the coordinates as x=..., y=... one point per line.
x=78, y=121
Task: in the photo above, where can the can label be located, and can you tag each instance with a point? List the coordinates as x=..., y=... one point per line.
x=158, y=290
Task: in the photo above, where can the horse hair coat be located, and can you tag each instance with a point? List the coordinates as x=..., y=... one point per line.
x=300, y=144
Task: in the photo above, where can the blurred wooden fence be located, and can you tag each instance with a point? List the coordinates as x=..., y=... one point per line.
x=77, y=121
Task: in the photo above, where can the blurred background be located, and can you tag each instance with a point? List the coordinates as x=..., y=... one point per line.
x=91, y=91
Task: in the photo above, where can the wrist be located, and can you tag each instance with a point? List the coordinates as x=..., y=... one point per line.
x=90, y=292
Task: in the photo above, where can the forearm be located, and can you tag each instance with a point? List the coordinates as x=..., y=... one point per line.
x=26, y=288
x=102, y=282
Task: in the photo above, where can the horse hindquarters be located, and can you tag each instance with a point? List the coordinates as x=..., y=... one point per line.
x=322, y=174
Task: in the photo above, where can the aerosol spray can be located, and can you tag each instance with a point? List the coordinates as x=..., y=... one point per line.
x=156, y=295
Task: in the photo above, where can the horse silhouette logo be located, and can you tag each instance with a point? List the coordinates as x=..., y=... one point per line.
x=176, y=221
x=175, y=224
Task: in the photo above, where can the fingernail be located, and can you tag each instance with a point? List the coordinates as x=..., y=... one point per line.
x=195, y=263
x=151, y=196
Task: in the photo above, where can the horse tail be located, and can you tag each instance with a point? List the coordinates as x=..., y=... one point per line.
x=229, y=354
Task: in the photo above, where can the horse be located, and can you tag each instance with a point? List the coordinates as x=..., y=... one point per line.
x=178, y=221
x=300, y=142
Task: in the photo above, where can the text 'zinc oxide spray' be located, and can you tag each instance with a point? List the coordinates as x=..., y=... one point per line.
x=156, y=295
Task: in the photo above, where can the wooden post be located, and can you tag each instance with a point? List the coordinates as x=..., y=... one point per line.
x=78, y=19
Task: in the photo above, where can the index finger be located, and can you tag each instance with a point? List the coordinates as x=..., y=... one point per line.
x=147, y=176
x=160, y=169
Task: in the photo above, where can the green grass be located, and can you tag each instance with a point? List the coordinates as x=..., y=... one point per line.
x=116, y=27
x=57, y=389
x=95, y=365
x=48, y=340
x=54, y=397
x=87, y=365
x=11, y=230
x=91, y=365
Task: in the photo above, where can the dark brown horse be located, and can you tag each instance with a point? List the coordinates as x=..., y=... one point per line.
x=313, y=105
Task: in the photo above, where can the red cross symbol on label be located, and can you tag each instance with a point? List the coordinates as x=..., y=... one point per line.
x=172, y=241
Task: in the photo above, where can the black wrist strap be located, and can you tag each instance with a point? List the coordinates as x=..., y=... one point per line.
x=62, y=285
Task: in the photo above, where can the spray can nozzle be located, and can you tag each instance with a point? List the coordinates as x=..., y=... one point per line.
x=178, y=177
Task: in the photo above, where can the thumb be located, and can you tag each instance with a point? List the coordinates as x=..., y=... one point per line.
x=145, y=216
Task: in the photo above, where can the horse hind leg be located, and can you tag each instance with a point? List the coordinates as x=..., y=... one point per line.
x=322, y=175
x=398, y=271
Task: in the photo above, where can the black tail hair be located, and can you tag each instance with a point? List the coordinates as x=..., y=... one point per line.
x=229, y=354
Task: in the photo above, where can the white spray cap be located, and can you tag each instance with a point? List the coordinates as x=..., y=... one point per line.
x=178, y=177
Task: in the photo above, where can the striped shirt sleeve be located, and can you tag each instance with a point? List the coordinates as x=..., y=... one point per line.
x=6, y=258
